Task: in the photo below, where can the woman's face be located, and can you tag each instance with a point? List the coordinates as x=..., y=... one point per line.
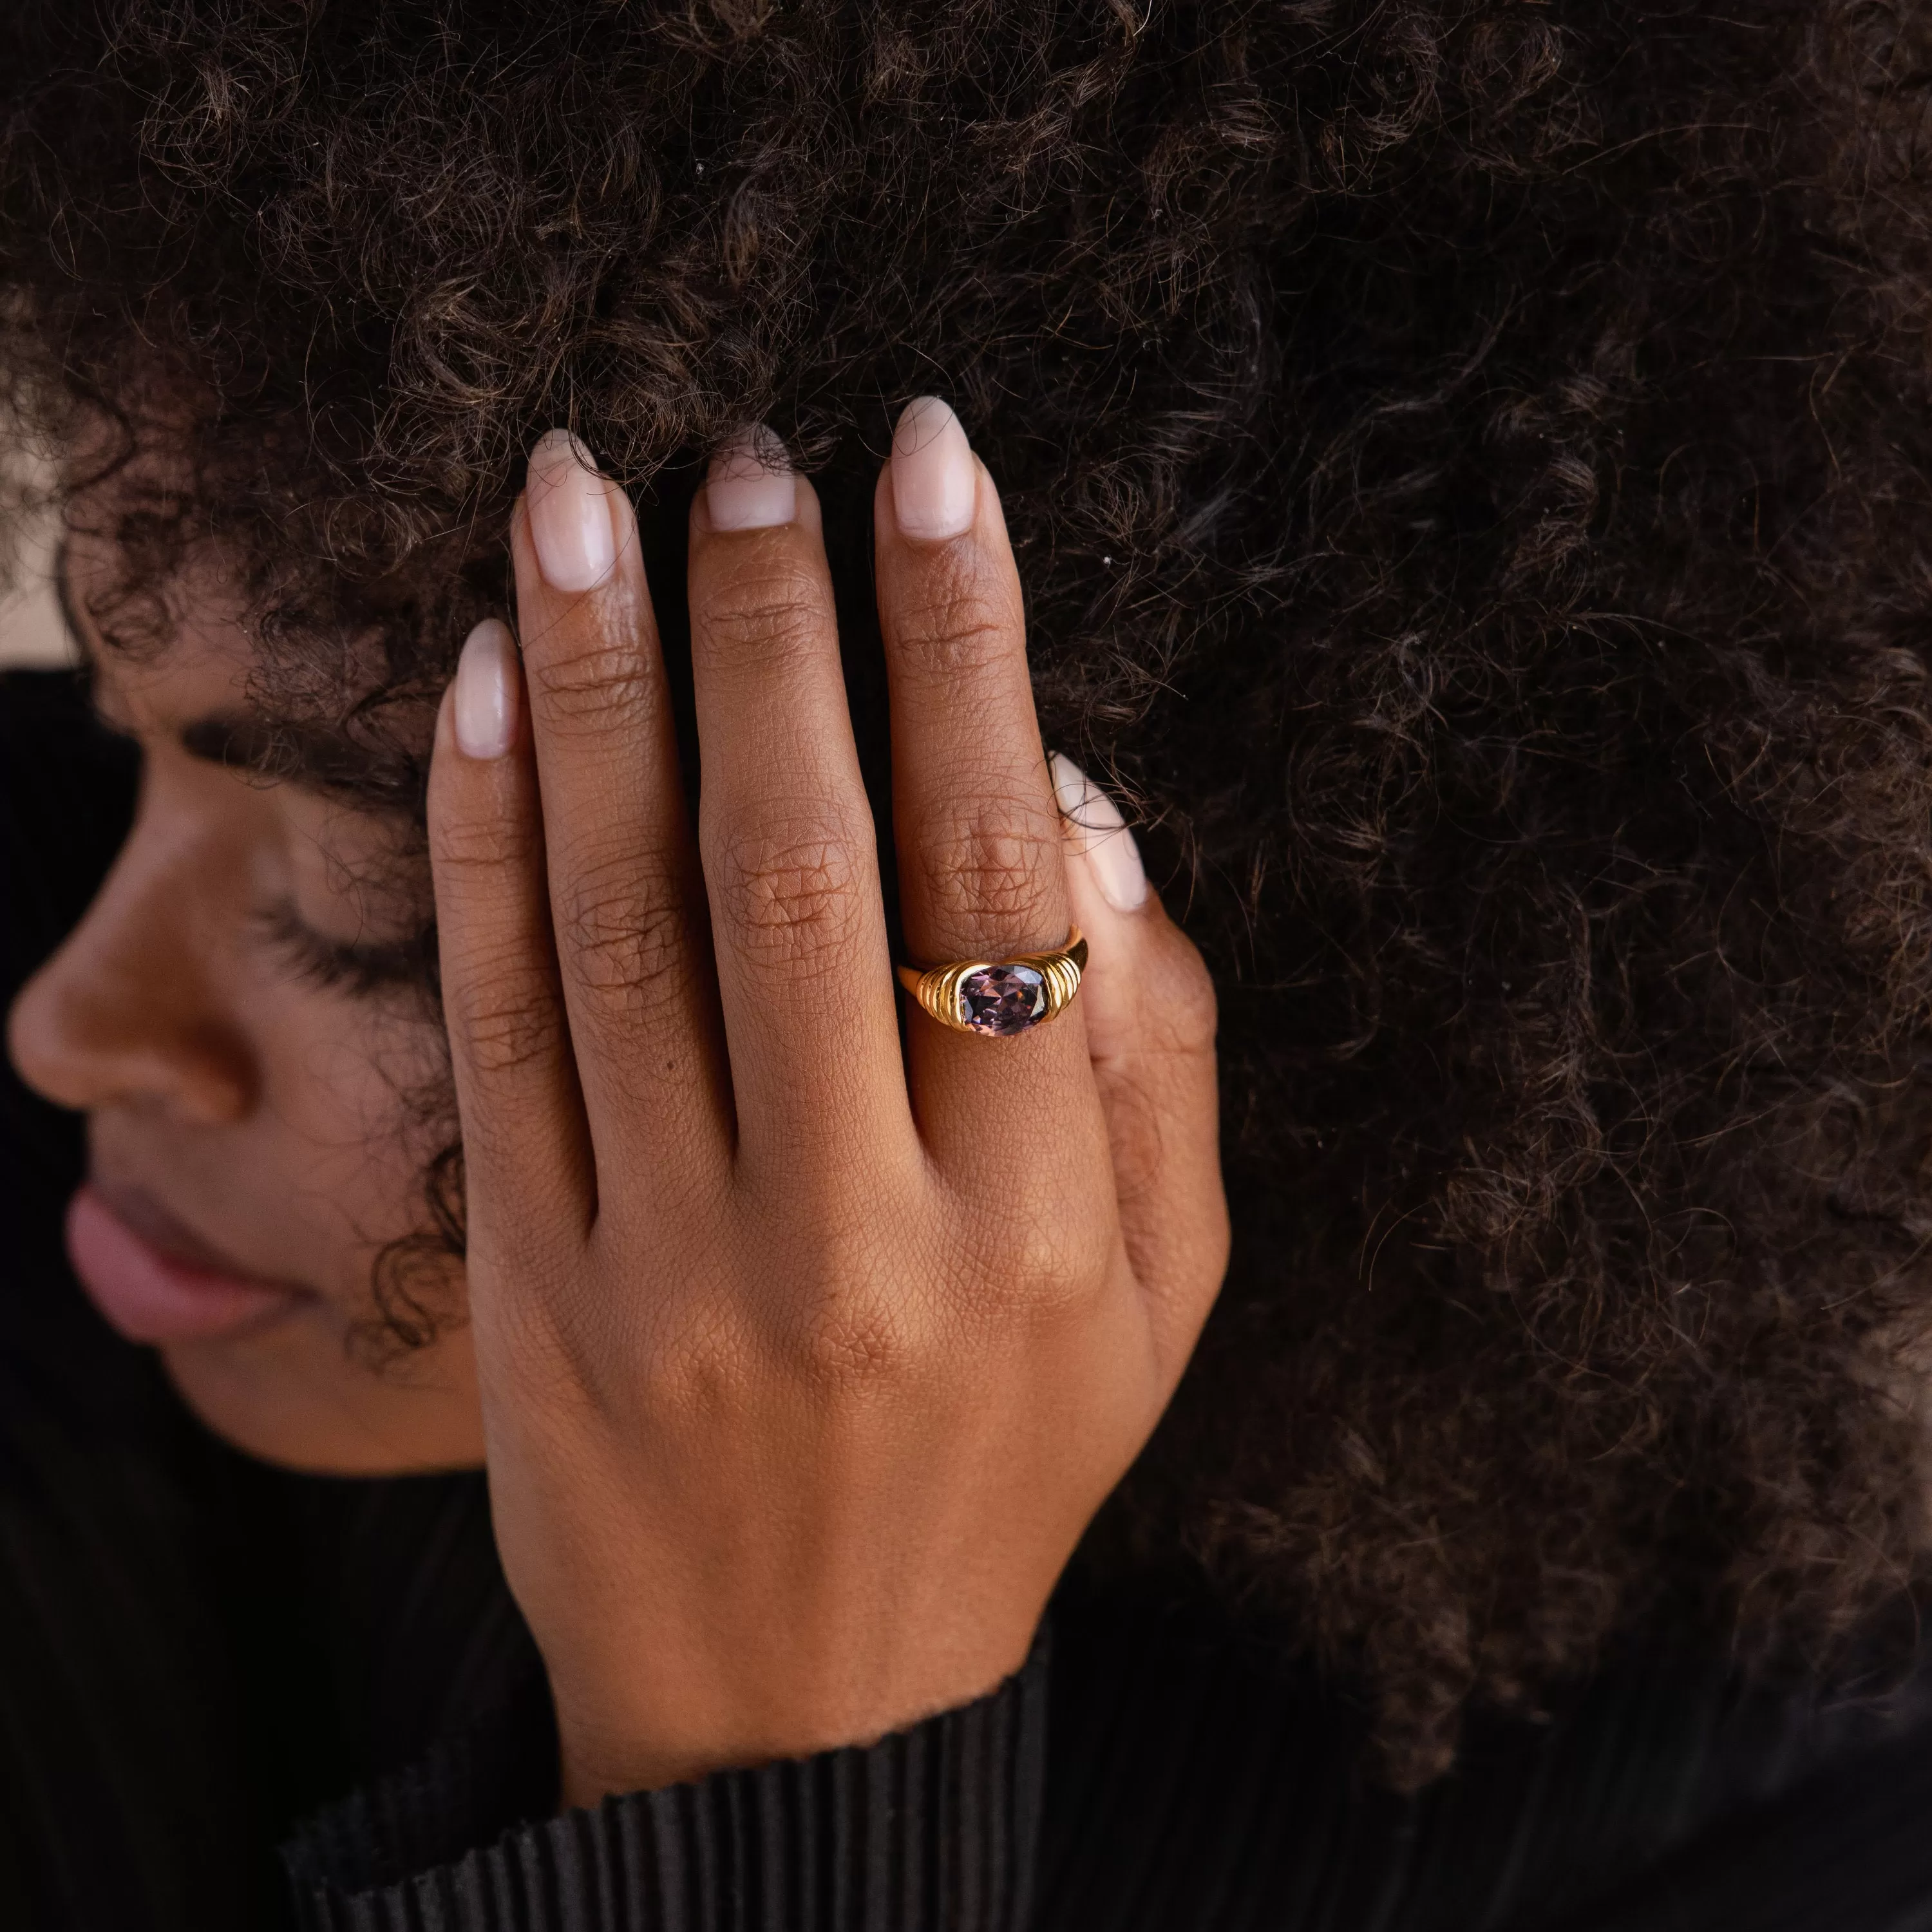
x=252, y=1144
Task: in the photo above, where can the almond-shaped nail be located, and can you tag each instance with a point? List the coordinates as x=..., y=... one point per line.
x=751, y=486
x=935, y=480
x=1100, y=835
x=569, y=505
x=484, y=709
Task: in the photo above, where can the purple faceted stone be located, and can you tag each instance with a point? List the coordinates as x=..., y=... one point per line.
x=1002, y=999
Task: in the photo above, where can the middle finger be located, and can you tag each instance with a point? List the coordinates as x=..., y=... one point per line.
x=784, y=831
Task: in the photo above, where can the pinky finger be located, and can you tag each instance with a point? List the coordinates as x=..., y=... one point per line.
x=1150, y=1020
x=526, y=1145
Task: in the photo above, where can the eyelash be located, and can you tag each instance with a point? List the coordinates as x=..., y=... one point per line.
x=359, y=969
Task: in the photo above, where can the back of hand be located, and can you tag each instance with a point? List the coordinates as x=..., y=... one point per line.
x=808, y=1349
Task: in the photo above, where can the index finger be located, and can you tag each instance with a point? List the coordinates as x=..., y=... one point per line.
x=526, y=1150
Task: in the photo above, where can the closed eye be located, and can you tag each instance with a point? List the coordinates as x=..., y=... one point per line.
x=360, y=967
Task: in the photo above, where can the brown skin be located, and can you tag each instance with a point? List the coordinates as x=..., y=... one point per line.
x=256, y=1108
x=802, y=1361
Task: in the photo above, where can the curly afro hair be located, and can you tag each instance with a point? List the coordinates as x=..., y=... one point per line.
x=1471, y=462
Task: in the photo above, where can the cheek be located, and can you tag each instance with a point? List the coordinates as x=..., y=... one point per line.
x=357, y=1091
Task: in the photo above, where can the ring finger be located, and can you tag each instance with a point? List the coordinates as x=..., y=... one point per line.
x=981, y=867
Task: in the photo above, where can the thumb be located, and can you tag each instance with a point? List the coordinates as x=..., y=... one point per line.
x=1150, y=1018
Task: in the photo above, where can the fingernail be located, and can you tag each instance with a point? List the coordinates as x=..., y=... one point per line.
x=935, y=481
x=570, y=514
x=1100, y=835
x=751, y=486
x=484, y=710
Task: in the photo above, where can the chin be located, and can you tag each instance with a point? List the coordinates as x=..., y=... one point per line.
x=296, y=1395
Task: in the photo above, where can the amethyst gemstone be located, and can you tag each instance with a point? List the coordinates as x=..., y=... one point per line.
x=1003, y=999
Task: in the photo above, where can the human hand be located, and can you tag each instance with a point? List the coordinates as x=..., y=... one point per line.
x=805, y=1360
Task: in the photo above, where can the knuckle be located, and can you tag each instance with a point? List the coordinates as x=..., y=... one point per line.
x=1048, y=1255
x=850, y=1323
x=1040, y=1264
x=996, y=868
x=848, y=1342
x=958, y=627
x=1183, y=1013
x=483, y=847
x=845, y=1333
x=611, y=683
x=699, y=1364
x=512, y=1024
x=773, y=614
x=1140, y=1111
x=792, y=889
x=622, y=928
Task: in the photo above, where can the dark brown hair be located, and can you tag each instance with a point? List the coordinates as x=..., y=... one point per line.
x=1469, y=463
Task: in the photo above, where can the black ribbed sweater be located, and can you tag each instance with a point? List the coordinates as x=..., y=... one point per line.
x=198, y=1654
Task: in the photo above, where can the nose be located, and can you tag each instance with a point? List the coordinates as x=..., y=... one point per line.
x=128, y=1012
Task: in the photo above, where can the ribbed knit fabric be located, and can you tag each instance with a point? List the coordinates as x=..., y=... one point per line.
x=1849, y=1850
x=1189, y=1783
x=935, y=1826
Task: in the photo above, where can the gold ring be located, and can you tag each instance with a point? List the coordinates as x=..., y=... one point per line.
x=1000, y=997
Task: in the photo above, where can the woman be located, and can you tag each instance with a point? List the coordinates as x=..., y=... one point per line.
x=1456, y=470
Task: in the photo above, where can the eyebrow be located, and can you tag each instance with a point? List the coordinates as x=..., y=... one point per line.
x=281, y=750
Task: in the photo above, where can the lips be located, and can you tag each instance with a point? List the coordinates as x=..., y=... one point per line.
x=155, y=1280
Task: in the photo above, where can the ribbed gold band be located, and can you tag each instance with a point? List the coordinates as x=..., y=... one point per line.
x=943, y=990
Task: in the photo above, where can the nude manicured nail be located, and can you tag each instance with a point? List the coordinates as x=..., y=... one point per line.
x=935, y=481
x=485, y=708
x=569, y=506
x=1100, y=835
x=751, y=486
